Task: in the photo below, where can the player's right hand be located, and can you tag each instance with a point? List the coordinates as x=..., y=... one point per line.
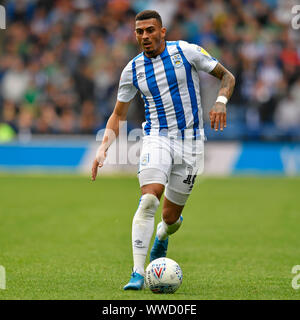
x=217, y=116
x=98, y=163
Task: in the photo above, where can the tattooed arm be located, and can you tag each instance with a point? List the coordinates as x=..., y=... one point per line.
x=217, y=114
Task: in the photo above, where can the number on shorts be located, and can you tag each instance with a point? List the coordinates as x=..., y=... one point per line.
x=190, y=178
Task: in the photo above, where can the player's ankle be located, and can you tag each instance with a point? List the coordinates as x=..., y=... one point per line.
x=139, y=270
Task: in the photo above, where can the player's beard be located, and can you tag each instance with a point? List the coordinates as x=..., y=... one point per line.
x=150, y=53
x=153, y=52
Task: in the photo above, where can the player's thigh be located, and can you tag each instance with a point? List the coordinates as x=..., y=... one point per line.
x=155, y=165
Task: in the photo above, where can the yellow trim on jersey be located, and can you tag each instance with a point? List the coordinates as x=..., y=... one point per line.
x=204, y=52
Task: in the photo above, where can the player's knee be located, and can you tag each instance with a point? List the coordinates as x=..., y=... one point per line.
x=153, y=192
x=154, y=189
x=147, y=206
x=149, y=201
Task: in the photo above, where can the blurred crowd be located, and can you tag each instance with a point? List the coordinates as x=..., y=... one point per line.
x=60, y=61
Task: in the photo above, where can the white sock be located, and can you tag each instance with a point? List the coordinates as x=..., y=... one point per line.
x=142, y=230
x=164, y=230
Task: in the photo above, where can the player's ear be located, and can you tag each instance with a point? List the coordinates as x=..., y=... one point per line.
x=163, y=32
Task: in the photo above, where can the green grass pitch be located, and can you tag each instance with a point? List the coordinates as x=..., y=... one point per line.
x=65, y=237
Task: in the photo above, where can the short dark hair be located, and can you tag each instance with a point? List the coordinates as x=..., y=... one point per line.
x=148, y=14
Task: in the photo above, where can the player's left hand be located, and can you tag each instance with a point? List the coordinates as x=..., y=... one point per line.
x=217, y=116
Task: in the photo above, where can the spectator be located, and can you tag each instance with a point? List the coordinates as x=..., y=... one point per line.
x=15, y=81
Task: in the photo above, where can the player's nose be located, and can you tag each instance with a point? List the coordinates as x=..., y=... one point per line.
x=145, y=36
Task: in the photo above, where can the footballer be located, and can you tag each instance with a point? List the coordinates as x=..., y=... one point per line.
x=166, y=76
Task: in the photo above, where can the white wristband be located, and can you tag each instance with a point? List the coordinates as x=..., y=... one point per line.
x=222, y=99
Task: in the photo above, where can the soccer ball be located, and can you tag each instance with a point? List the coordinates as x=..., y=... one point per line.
x=163, y=275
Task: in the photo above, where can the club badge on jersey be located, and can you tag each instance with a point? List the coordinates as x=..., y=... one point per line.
x=177, y=60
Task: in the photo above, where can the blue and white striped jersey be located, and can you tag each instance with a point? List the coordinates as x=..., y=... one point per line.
x=169, y=86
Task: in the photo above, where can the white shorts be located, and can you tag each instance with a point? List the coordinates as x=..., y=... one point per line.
x=172, y=162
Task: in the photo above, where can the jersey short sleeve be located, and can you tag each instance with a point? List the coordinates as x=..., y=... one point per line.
x=198, y=57
x=127, y=90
